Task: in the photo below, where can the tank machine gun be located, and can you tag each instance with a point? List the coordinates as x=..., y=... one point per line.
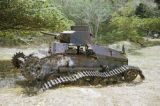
x=75, y=59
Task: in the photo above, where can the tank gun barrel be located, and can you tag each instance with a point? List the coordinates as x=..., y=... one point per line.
x=51, y=34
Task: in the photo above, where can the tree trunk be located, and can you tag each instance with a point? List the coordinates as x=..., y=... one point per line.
x=96, y=26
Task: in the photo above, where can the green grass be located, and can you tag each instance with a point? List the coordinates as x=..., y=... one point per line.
x=152, y=43
x=7, y=69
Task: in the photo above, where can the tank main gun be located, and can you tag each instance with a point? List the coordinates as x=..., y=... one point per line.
x=55, y=35
x=49, y=33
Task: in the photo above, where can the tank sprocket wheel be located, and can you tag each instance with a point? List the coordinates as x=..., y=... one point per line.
x=130, y=75
x=15, y=59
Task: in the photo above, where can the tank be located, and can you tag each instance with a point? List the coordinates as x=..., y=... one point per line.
x=75, y=59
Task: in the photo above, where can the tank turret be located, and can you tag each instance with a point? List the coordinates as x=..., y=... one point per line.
x=78, y=35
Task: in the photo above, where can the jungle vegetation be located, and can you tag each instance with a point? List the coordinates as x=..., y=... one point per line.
x=109, y=20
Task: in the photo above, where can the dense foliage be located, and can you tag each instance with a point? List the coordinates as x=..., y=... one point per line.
x=109, y=20
x=34, y=14
x=131, y=23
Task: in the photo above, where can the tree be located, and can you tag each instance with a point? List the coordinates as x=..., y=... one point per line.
x=158, y=3
x=35, y=14
x=141, y=10
x=89, y=12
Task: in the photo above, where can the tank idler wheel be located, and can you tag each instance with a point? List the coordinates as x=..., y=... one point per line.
x=130, y=75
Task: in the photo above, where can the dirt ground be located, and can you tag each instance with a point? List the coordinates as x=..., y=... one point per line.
x=146, y=93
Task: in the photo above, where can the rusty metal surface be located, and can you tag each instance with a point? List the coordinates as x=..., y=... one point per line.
x=59, y=48
x=100, y=50
x=80, y=38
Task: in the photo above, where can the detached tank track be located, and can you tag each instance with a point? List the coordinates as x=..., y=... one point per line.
x=89, y=73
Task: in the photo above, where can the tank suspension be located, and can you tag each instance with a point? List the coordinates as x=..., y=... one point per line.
x=130, y=73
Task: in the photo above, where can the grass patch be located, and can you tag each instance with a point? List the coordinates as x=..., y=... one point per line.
x=152, y=43
x=7, y=69
x=135, y=53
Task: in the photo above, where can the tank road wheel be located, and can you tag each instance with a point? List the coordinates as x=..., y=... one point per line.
x=89, y=80
x=97, y=80
x=104, y=81
x=130, y=75
x=80, y=81
x=84, y=81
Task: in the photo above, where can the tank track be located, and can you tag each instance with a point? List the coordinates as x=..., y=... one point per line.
x=89, y=73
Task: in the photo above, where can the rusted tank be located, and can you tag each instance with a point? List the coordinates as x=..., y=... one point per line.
x=75, y=59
